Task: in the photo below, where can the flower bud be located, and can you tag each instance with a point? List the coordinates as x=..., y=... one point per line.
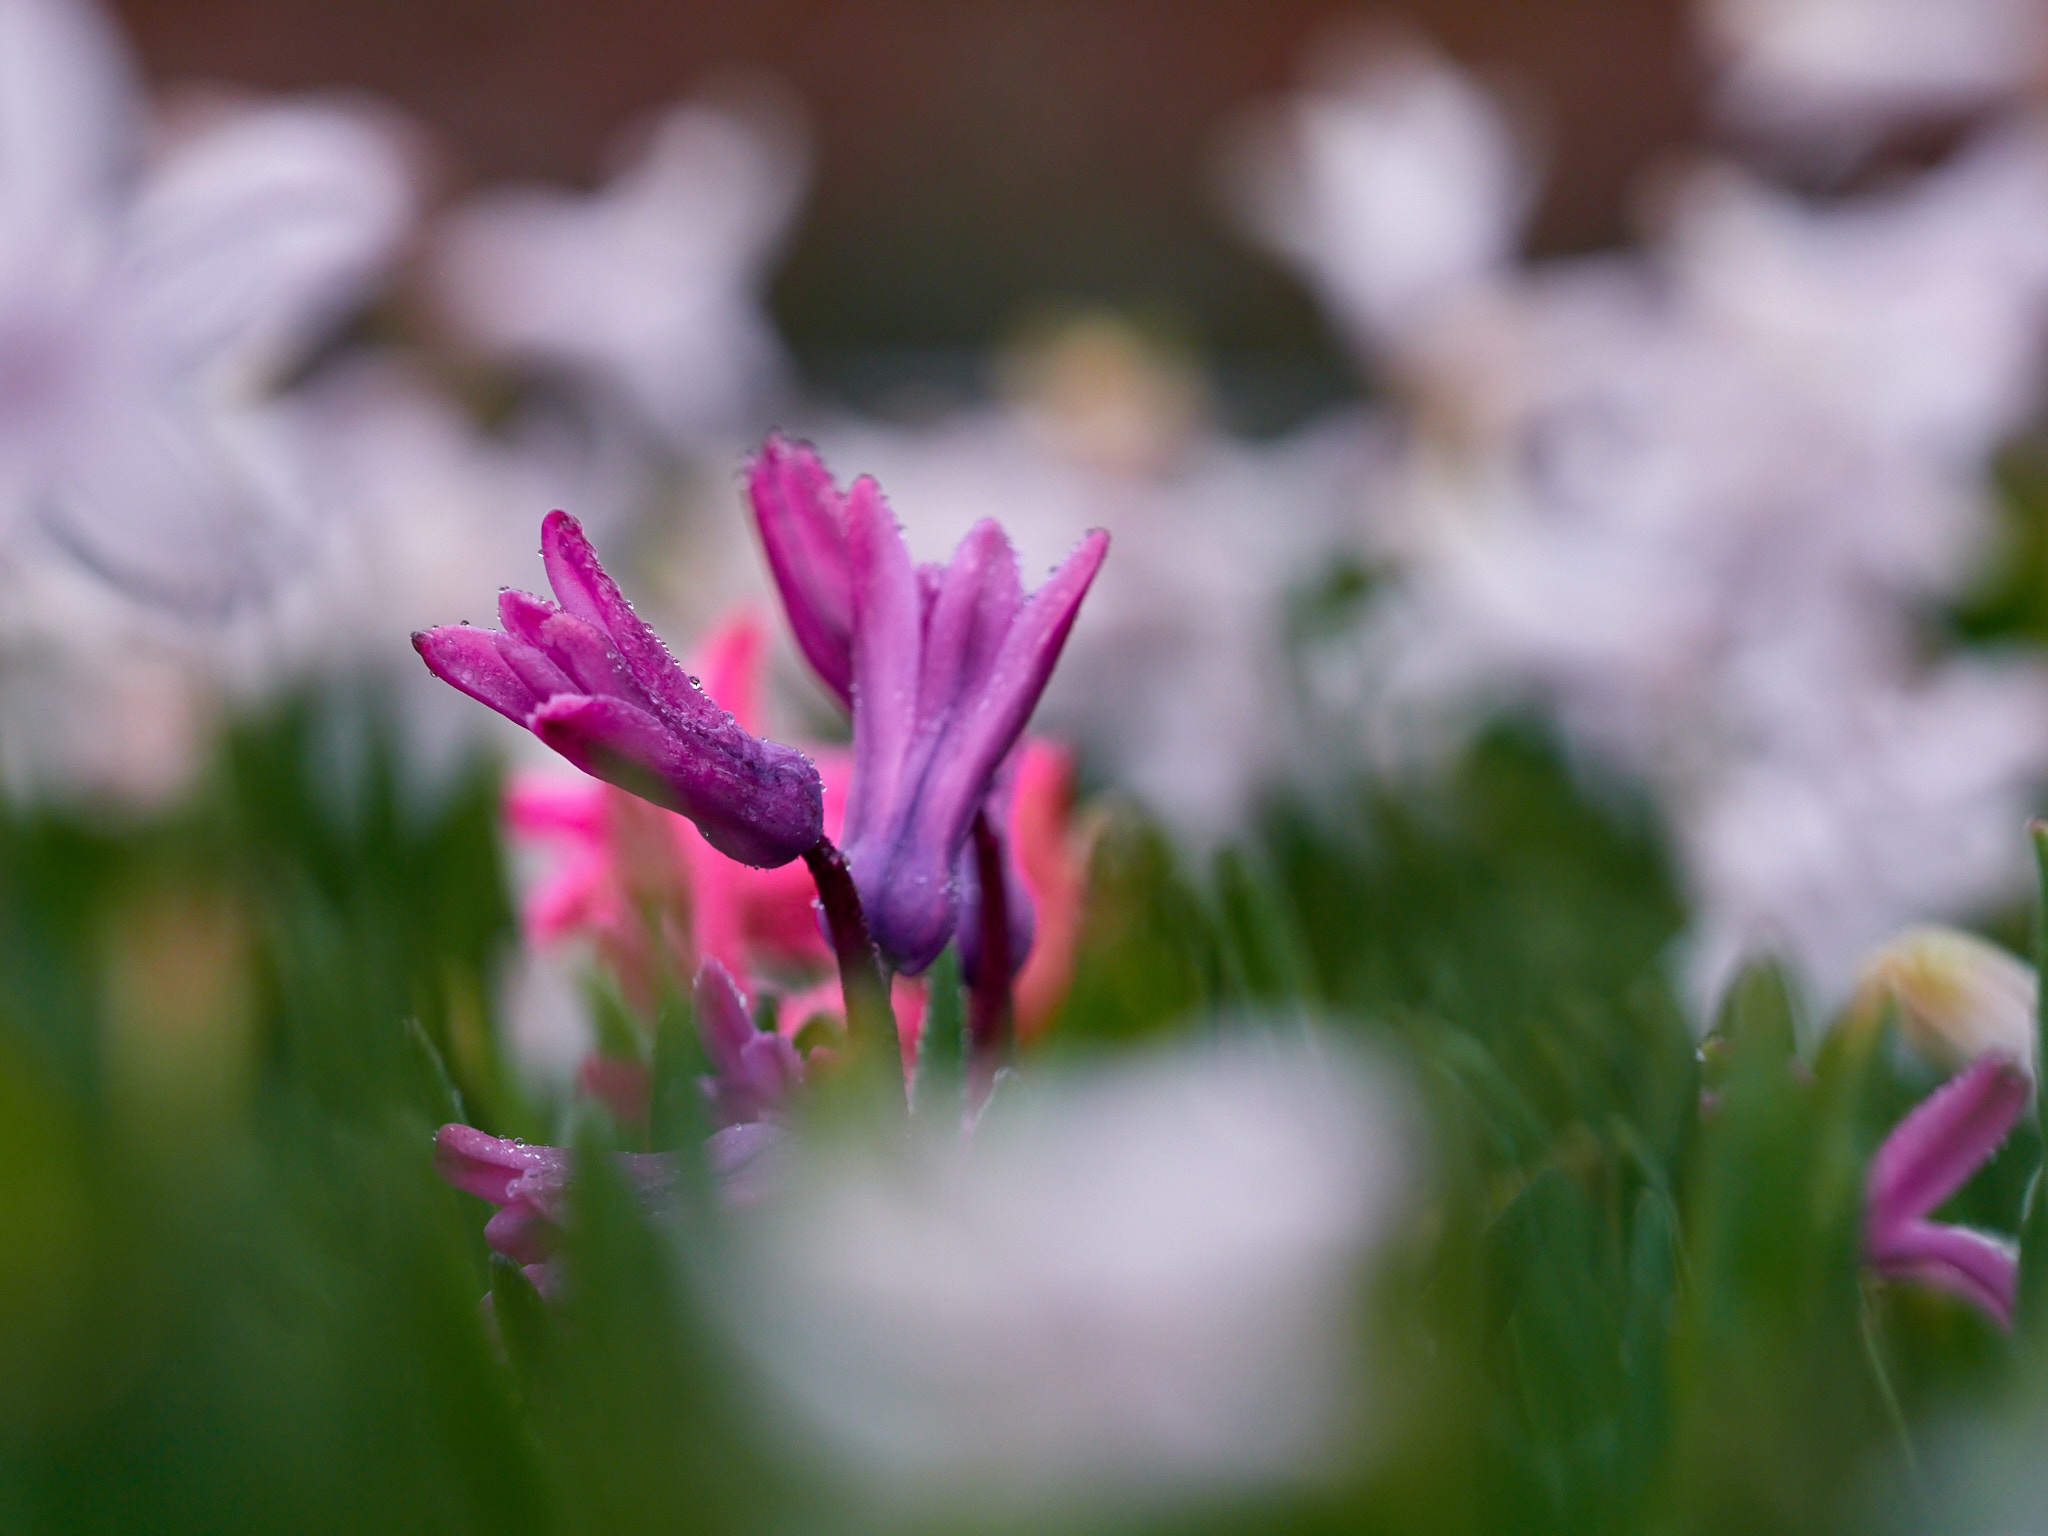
x=1958, y=997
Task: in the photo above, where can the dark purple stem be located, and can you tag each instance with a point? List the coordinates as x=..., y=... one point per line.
x=991, y=1018
x=870, y=1021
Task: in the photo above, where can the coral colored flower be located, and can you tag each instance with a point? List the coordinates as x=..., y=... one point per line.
x=645, y=886
x=595, y=683
x=948, y=663
x=1046, y=860
x=1928, y=1157
x=1052, y=856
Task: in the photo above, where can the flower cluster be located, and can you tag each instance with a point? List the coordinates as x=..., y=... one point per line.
x=952, y=822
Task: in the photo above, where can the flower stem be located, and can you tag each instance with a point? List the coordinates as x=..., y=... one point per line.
x=1888, y=1398
x=870, y=1021
x=991, y=1016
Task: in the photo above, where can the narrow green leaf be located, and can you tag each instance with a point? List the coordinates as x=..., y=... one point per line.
x=444, y=1099
x=942, y=1046
x=675, y=1115
x=521, y=1315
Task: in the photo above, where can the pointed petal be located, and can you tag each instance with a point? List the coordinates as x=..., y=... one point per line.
x=586, y=590
x=1933, y=1151
x=522, y=1234
x=975, y=602
x=1976, y=1266
x=490, y=1167
x=888, y=628
x=722, y=1020
x=582, y=651
x=1015, y=679
x=522, y=614
x=802, y=522
x=491, y=668
x=771, y=1069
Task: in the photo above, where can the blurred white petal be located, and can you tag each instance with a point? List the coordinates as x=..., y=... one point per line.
x=652, y=289
x=252, y=236
x=1845, y=70
x=1139, y=1282
x=68, y=116
x=1393, y=189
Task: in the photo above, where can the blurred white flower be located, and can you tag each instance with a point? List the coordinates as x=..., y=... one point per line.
x=651, y=291
x=422, y=518
x=1886, y=808
x=1395, y=185
x=147, y=311
x=1140, y=1284
x=1838, y=73
x=1692, y=503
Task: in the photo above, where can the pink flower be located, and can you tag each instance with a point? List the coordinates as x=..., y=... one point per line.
x=1052, y=857
x=529, y=1184
x=646, y=886
x=593, y=681
x=1928, y=1157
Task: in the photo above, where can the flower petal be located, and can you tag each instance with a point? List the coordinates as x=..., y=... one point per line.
x=1976, y=1266
x=1949, y=1135
x=888, y=632
x=801, y=518
x=1016, y=678
x=490, y=667
x=722, y=1021
x=586, y=590
x=761, y=805
x=490, y=1167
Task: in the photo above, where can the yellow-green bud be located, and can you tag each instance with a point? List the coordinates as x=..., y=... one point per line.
x=1958, y=997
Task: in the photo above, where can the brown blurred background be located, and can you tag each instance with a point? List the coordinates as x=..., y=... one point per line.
x=972, y=157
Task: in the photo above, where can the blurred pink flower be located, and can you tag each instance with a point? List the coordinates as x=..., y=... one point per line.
x=1928, y=1157
x=1052, y=856
x=643, y=883
x=529, y=1184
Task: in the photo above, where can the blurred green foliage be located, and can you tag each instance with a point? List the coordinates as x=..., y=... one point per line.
x=237, y=1299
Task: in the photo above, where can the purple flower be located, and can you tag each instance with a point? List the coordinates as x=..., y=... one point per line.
x=1928, y=1157
x=529, y=1185
x=941, y=666
x=594, y=682
x=802, y=520
x=753, y=1071
x=948, y=663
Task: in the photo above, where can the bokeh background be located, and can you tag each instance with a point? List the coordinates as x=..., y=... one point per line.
x=1538, y=792
x=972, y=161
